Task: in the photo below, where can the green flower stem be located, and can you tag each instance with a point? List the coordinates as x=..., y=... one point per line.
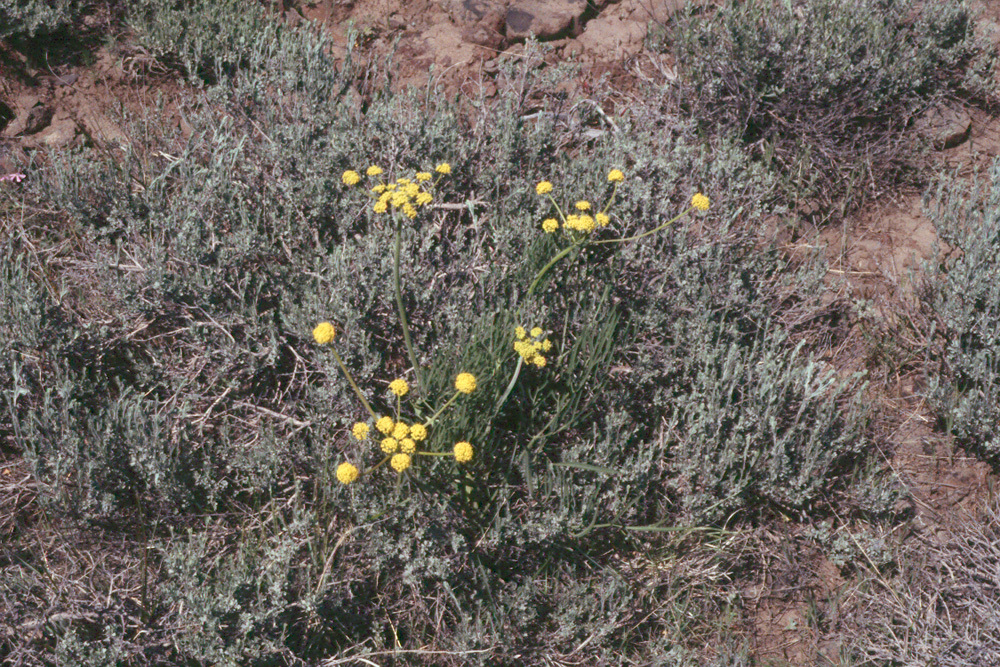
x=552, y=262
x=651, y=231
x=443, y=408
x=378, y=465
x=435, y=453
x=402, y=311
x=611, y=200
x=558, y=210
x=354, y=385
x=513, y=381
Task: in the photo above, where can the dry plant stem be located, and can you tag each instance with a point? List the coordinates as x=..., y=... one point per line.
x=402, y=312
x=354, y=385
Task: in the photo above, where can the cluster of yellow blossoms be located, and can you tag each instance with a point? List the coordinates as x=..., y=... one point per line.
x=404, y=195
x=530, y=345
x=582, y=221
x=401, y=439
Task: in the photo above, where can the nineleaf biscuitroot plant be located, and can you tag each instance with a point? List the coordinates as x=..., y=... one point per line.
x=403, y=435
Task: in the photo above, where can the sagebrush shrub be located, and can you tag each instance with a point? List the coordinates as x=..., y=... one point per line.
x=825, y=92
x=32, y=18
x=961, y=291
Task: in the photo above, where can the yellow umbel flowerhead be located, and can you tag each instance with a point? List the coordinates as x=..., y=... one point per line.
x=530, y=348
x=465, y=383
x=346, y=473
x=389, y=445
x=463, y=452
x=409, y=211
x=543, y=188
x=418, y=432
x=324, y=333
x=602, y=219
x=700, y=202
x=407, y=445
x=385, y=425
x=374, y=171
x=400, y=462
x=424, y=198
x=350, y=177
x=360, y=431
x=443, y=168
x=423, y=176
x=583, y=206
x=550, y=225
x=399, y=387
x=400, y=430
x=380, y=206
x=615, y=176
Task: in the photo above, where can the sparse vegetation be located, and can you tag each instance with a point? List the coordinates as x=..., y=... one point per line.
x=618, y=387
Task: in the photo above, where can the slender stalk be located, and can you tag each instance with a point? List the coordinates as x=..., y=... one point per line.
x=354, y=385
x=513, y=381
x=552, y=262
x=402, y=312
x=443, y=408
x=651, y=231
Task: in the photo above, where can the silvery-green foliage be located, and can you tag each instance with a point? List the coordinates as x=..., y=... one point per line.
x=230, y=603
x=825, y=91
x=963, y=295
x=32, y=18
x=219, y=250
x=211, y=39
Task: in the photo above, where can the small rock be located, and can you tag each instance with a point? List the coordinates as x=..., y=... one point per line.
x=945, y=125
x=38, y=119
x=545, y=19
x=60, y=134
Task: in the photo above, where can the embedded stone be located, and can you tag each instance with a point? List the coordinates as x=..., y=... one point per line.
x=546, y=19
x=945, y=125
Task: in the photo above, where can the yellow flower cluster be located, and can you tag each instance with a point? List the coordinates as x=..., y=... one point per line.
x=580, y=223
x=400, y=436
x=700, y=202
x=324, y=333
x=465, y=383
x=405, y=195
x=400, y=439
x=583, y=220
x=463, y=452
x=530, y=345
x=347, y=473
